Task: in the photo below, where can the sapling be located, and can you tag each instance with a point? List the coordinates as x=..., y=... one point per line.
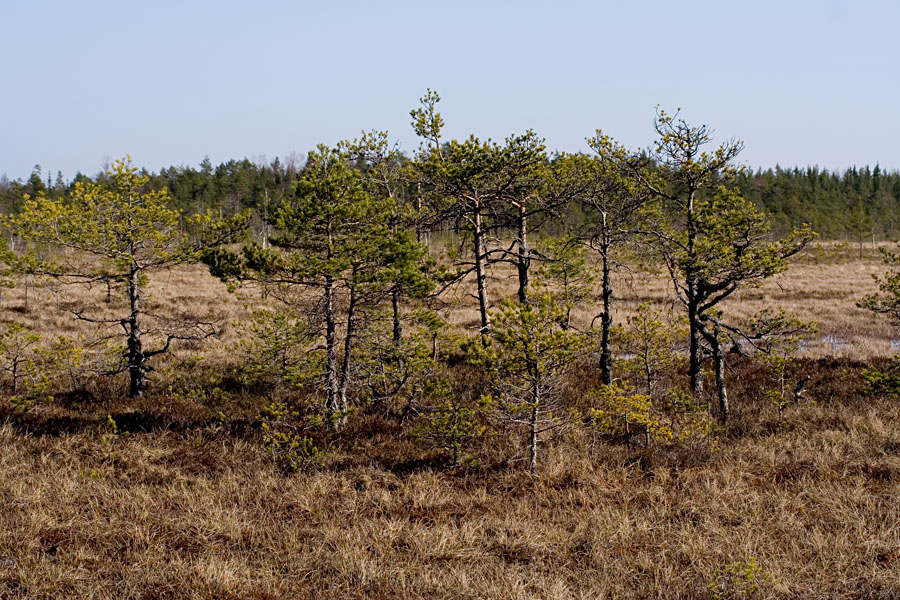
x=276, y=347
x=777, y=336
x=448, y=423
x=20, y=361
x=565, y=266
x=618, y=410
x=527, y=358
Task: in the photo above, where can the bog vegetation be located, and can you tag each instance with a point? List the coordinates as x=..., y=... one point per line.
x=458, y=355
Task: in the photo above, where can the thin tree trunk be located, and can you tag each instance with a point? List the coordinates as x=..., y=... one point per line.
x=536, y=401
x=627, y=430
x=481, y=275
x=523, y=259
x=720, y=383
x=648, y=374
x=395, y=297
x=331, y=380
x=395, y=304
x=606, y=322
x=135, y=348
x=695, y=366
x=419, y=232
x=343, y=404
x=719, y=362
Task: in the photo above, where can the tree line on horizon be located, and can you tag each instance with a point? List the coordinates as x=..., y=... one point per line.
x=853, y=204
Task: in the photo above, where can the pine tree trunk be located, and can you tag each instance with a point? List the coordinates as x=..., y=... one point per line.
x=719, y=368
x=331, y=380
x=721, y=390
x=523, y=259
x=419, y=231
x=395, y=305
x=395, y=299
x=535, y=405
x=343, y=404
x=481, y=274
x=606, y=323
x=135, y=348
x=695, y=367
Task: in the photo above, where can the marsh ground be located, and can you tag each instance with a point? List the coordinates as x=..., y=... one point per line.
x=178, y=503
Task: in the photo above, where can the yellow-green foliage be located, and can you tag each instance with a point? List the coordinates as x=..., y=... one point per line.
x=114, y=225
x=66, y=361
x=617, y=410
x=448, y=425
x=688, y=421
x=275, y=348
x=20, y=361
x=885, y=382
x=738, y=581
x=283, y=437
x=117, y=227
x=649, y=339
x=205, y=396
x=111, y=431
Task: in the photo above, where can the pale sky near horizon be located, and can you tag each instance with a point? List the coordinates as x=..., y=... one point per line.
x=800, y=82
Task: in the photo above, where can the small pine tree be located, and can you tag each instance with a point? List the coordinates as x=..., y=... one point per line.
x=649, y=341
x=566, y=268
x=527, y=358
x=275, y=348
x=20, y=362
x=619, y=411
x=448, y=424
x=777, y=336
x=120, y=231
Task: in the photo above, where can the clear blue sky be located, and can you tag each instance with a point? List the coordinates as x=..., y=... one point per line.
x=801, y=82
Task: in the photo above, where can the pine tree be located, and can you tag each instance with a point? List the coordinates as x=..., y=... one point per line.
x=712, y=239
x=527, y=358
x=332, y=236
x=121, y=232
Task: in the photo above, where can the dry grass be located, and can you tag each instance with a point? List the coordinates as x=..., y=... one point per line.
x=205, y=515
x=179, y=505
x=823, y=286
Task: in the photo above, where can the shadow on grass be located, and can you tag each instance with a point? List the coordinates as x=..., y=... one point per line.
x=133, y=422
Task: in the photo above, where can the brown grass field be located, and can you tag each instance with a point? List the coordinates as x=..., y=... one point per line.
x=180, y=503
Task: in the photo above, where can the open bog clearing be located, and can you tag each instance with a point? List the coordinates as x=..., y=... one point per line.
x=824, y=292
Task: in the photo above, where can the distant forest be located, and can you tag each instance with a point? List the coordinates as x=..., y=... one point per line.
x=859, y=203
